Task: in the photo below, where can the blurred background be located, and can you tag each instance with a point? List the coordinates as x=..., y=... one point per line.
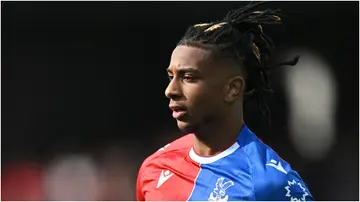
x=83, y=104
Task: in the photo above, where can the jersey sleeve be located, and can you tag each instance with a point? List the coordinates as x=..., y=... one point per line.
x=277, y=181
x=292, y=188
x=288, y=187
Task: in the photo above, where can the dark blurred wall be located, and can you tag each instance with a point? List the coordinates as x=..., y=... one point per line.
x=79, y=75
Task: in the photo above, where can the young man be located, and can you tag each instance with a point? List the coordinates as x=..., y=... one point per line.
x=213, y=68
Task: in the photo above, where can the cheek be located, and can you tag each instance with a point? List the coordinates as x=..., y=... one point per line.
x=204, y=99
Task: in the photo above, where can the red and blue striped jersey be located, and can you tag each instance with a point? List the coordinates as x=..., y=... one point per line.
x=247, y=170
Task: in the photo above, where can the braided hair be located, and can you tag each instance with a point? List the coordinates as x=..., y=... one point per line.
x=241, y=35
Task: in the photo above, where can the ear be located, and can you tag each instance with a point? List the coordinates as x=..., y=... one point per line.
x=234, y=89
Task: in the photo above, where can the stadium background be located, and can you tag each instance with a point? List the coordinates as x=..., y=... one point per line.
x=83, y=94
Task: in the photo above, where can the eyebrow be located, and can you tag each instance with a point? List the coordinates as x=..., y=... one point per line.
x=183, y=70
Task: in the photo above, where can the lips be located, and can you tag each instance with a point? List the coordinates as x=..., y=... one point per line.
x=178, y=111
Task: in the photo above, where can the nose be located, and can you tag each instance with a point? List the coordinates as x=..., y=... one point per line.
x=173, y=90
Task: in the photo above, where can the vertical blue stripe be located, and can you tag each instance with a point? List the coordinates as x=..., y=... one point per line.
x=235, y=167
x=204, y=182
x=232, y=168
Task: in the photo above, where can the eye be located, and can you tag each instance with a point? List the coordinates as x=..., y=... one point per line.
x=189, y=79
x=170, y=77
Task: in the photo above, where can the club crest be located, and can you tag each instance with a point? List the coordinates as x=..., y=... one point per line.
x=219, y=193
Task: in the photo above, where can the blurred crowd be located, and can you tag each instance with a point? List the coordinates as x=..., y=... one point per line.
x=104, y=174
x=72, y=177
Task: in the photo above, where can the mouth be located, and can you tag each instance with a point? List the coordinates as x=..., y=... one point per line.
x=178, y=111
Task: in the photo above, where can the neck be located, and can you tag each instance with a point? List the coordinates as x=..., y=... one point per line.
x=215, y=138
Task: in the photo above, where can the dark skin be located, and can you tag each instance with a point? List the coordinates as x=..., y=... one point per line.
x=210, y=92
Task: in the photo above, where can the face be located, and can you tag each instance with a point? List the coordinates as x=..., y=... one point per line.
x=196, y=88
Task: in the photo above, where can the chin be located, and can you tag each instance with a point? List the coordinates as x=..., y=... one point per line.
x=186, y=127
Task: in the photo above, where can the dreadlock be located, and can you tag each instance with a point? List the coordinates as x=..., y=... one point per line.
x=241, y=34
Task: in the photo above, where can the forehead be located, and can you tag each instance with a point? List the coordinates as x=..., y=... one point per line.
x=188, y=56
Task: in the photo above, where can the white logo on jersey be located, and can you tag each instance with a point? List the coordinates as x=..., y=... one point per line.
x=219, y=193
x=289, y=194
x=276, y=166
x=163, y=148
x=165, y=175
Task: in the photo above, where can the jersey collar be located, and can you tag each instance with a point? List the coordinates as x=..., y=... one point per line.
x=242, y=138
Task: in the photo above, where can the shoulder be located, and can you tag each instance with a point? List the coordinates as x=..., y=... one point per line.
x=273, y=177
x=177, y=147
x=282, y=183
x=167, y=156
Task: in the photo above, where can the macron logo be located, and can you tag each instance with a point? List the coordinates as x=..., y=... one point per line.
x=163, y=148
x=278, y=166
x=165, y=175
